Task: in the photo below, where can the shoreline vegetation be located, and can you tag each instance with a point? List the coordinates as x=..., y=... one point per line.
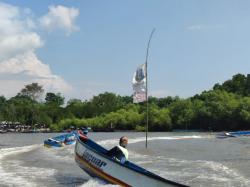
x=226, y=107
x=107, y=130
x=115, y=131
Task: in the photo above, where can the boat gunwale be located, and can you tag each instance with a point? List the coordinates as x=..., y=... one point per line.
x=147, y=173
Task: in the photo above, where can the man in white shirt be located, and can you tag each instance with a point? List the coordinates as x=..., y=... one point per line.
x=120, y=152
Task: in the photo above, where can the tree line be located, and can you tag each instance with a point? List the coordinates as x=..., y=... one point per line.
x=225, y=107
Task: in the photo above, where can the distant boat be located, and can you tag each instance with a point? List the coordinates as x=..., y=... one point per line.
x=3, y=131
x=60, y=141
x=92, y=158
x=233, y=134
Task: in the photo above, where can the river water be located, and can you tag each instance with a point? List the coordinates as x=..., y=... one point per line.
x=195, y=159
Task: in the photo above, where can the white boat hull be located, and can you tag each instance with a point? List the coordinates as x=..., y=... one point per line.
x=102, y=167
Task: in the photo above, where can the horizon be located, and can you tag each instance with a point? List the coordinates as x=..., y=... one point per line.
x=85, y=48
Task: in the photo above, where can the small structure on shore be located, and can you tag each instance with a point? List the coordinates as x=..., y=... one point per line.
x=9, y=126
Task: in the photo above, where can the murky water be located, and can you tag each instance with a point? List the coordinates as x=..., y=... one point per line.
x=195, y=159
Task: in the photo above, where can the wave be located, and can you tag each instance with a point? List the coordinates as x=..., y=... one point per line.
x=17, y=150
x=112, y=142
x=11, y=178
x=96, y=183
x=199, y=172
x=65, y=153
x=190, y=172
x=20, y=171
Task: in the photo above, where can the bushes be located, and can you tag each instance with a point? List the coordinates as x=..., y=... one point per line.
x=225, y=107
x=122, y=119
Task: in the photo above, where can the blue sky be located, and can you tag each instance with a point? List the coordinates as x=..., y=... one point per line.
x=82, y=48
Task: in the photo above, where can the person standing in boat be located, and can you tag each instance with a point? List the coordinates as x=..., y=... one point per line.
x=120, y=151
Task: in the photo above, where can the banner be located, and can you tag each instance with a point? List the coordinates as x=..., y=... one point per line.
x=139, y=84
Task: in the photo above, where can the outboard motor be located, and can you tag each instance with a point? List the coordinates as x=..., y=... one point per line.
x=85, y=132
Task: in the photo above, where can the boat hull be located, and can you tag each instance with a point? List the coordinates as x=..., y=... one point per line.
x=51, y=144
x=60, y=141
x=98, y=165
x=233, y=134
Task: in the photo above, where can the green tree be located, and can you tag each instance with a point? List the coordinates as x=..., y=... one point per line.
x=182, y=113
x=21, y=109
x=76, y=108
x=34, y=91
x=220, y=107
x=247, y=90
x=242, y=113
x=165, y=102
x=2, y=107
x=54, y=99
x=159, y=119
x=106, y=102
x=239, y=84
x=127, y=99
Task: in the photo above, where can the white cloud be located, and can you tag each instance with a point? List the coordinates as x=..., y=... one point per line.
x=29, y=66
x=16, y=43
x=19, y=64
x=60, y=17
x=15, y=37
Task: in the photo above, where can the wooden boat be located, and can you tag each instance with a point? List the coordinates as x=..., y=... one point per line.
x=3, y=131
x=92, y=158
x=240, y=133
x=233, y=134
x=60, y=141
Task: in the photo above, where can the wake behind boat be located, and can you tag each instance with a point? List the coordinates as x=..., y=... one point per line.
x=92, y=158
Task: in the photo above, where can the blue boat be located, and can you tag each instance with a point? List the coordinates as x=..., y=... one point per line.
x=240, y=133
x=60, y=141
x=233, y=134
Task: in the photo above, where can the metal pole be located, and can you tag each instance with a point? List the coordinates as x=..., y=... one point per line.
x=152, y=32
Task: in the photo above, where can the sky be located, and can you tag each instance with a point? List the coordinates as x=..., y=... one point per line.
x=82, y=48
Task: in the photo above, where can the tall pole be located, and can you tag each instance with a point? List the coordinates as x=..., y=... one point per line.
x=152, y=32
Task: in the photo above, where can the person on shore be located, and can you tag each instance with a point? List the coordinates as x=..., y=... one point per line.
x=120, y=151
